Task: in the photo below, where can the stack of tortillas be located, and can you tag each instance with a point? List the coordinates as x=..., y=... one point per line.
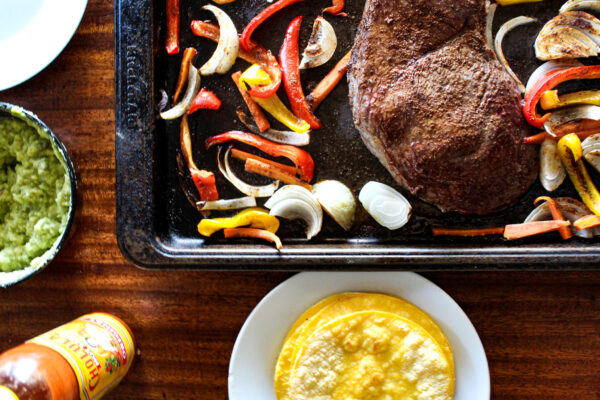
x=365, y=346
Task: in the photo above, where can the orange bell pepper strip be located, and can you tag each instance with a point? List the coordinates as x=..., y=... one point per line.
x=290, y=63
x=565, y=232
x=587, y=222
x=257, y=55
x=253, y=233
x=204, y=180
x=301, y=159
x=172, y=43
x=270, y=171
x=468, y=232
x=189, y=55
x=526, y=229
x=327, y=84
x=242, y=155
x=582, y=128
x=259, y=117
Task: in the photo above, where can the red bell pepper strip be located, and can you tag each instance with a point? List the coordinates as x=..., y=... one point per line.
x=259, y=117
x=301, y=159
x=204, y=180
x=253, y=233
x=328, y=83
x=255, y=166
x=550, y=81
x=289, y=61
x=336, y=8
x=565, y=231
x=257, y=55
x=205, y=183
x=519, y=231
x=205, y=99
x=468, y=232
x=245, y=41
x=189, y=55
x=172, y=44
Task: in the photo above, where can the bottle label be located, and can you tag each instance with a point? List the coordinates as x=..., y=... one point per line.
x=7, y=394
x=99, y=348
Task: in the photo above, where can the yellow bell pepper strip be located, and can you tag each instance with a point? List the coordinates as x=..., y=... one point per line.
x=511, y=2
x=526, y=229
x=253, y=233
x=274, y=106
x=255, y=75
x=551, y=100
x=254, y=217
x=301, y=159
x=587, y=222
x=550, y=81
x=570, y=152
x=565, y=232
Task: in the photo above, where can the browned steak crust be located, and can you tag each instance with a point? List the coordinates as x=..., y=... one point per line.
x=434, y=105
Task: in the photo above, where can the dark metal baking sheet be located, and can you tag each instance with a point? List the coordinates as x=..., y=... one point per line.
x=156, y=226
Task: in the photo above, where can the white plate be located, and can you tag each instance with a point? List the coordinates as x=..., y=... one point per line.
x=32, y=34
x=257, y=347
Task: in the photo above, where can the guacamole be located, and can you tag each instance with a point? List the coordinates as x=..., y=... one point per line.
x=35, y=194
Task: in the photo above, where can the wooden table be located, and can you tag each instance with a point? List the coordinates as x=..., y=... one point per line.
x=541, y=330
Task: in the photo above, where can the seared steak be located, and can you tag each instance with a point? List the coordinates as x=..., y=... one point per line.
x=435, y=106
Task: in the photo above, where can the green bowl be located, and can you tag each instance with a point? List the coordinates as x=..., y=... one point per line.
x=10, y=278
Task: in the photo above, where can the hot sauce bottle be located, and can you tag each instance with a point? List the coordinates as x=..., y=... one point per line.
x=81, y=360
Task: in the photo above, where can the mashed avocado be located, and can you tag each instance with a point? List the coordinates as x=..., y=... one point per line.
x=35, y=194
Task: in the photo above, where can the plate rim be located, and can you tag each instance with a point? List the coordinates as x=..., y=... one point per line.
x=40, y=63
x=341, y=282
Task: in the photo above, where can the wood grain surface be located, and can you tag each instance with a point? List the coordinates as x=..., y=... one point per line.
x=541, y=330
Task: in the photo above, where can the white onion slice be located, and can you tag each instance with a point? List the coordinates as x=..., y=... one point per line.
x=247, y=189
x=283, y=137
x=228, y=47
x=575, y=113
x=580, y=4
x=183, y=106
x=227, y=204
x=570, y=208
x=591, y=150
x=547, y=67
x=552, y=171
x=296, y=202
x=321, y=45
x=489, y=22
x=386, y=205
x=337, y=200
x=504, y=29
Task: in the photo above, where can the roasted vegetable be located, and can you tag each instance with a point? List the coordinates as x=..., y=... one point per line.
x=228, y=46
x=254, y=217
x=204, y=180
x=565, y=231
x=189, y=55
x=205, y=100
x=526, y=229
x=254, y=234
x=245, y=39
x=328, y=83
x=385, y=204
x=550, y=99
x=172, y=43
x=288, y=59
x=321, y=45
x=296, y=202
x=569, y=148
x=573, y=34
x=301, y=159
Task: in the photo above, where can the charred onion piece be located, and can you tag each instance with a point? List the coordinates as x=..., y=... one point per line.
x=504, y=29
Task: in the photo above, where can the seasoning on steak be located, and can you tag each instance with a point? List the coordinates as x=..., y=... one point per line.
x=435, y=106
